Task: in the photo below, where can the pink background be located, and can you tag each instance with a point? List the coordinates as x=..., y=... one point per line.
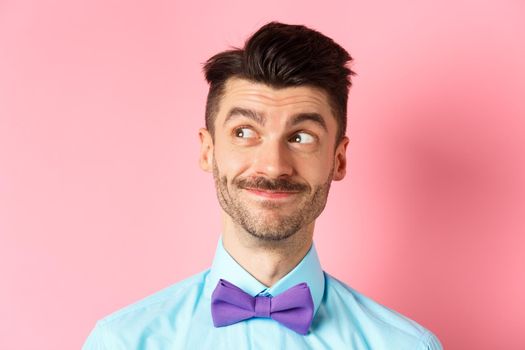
x=102, y=201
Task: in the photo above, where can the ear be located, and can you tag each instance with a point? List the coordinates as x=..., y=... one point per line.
x=340, y=159
x=206, y=155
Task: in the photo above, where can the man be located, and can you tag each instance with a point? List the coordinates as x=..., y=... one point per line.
x=274, y=141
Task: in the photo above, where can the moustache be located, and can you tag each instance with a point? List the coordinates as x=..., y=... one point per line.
x=277, y=185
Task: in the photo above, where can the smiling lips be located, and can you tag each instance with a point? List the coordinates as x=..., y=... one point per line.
x=271, y=194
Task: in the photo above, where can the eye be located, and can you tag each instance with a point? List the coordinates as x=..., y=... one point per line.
x=302, y=137
x=244, y=133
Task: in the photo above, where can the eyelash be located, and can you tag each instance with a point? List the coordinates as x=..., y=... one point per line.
x=237, y=129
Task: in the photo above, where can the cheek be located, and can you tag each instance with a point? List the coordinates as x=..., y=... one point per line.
x=316, y=168
x=317, y=174
x=231, y=163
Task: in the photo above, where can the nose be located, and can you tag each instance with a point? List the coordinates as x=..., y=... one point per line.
x=273, y=160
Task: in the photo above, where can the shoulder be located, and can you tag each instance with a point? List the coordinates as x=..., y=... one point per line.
x=150, y=312
x=160, y=301
x=374, y=322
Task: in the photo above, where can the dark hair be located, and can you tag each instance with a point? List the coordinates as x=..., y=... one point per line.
x=282, y=55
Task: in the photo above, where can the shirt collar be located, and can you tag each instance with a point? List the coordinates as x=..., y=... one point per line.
x=308, y=270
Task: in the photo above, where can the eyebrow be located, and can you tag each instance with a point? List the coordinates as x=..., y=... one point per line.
x=248, y=113
x=314, y=117
x=259, y=118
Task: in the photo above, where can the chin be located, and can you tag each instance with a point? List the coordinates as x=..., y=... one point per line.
x=274, y=234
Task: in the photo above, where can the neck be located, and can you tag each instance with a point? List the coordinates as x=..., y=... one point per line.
x=267, y=261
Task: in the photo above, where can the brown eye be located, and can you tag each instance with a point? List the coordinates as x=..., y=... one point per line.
x=244, y=133
x=302, y=137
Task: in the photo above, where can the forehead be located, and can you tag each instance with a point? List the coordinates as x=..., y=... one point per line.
x=244, y=93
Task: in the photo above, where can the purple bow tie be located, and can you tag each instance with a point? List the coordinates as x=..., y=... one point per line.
x=293, y=308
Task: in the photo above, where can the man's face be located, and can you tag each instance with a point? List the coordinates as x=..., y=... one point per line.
x=273, y=156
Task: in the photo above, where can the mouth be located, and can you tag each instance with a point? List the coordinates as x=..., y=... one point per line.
x=271, y=194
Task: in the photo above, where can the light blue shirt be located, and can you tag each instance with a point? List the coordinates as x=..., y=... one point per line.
x=179, y=317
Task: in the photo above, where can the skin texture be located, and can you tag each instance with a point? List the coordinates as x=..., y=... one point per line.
x=273, y=158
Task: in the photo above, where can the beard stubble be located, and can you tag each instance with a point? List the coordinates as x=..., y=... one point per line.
x=272, y=226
